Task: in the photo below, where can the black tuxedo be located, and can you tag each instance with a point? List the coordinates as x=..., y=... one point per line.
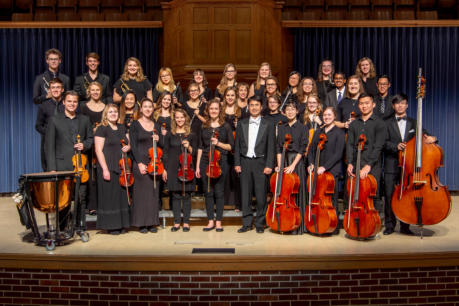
x=60, y=138
x=391, y=164
x=83, y=80
x=252, y=175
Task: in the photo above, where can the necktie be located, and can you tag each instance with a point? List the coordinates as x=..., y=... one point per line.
x=401, y=118
x=383, y=106
x=340, y=96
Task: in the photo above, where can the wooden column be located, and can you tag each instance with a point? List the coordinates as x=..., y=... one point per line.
x=208, y=34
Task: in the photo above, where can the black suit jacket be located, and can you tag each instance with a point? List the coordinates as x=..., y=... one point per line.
x=331, y=99
x=60, y=138
x=264, y=145
x=102, y=79
x=393, y=139
x=40, y=87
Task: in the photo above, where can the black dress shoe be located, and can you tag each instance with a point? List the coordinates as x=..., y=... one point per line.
x=260, y=230
x=174, y=229
x=153, y=229
x=219, y=229
x=186, y=229
x=208, y=229
x=244, y=229
x=406, y=231
x=336, y=231
x=388, y=231
x=143, y=230
x=114, y=232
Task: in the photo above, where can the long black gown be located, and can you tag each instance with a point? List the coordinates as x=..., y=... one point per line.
x=95, y=118
x=232, y=184
x=113, y=208
x=145, y=198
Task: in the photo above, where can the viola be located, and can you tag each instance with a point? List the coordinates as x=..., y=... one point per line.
x=283, y=215
x=79, y=162
x=321, y=215
x=420, y=198
x=361, y=220
x=185, y=172
x=155, y=166
x=213, y=169
x=126, y=178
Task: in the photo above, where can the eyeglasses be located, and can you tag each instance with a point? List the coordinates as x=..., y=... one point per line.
x=165, y=75
x=194, y=90
x=383, y=84
x=230, y=71
x=270, y=84
x=53, y=59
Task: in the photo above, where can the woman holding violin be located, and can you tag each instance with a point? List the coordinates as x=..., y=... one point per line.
x=331, y=153
x=195, y=107
x=179, y=173
x=129, y=109
x=113, y=198
x=163, y=112
x=294, y=152
x=348, y=108
x=306, y=89
x=145, y=201
x=215, y=141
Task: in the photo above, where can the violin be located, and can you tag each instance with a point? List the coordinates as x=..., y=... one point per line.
x=321, y=214
x=213, y=169
x=79, y=164
x=311, y=131
x=126, y=178
x=283, y=215
x=420, y=198
x=361, y=220
x=155, y=166
x=185, y=172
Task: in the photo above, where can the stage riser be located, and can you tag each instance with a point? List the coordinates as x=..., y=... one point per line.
x=431, y=285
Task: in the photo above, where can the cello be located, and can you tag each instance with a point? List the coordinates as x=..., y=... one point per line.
x=155, y=166
x=185, y=172
x=213, y=168
x=361, y=220
x=283, y=215
x=126, y=178
x=321, y=215
x=420, y=199
x=79, y=163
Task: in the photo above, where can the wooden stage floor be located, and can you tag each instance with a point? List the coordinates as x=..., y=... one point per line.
x=170, y=251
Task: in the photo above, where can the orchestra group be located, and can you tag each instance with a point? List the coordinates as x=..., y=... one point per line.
x=226, y=143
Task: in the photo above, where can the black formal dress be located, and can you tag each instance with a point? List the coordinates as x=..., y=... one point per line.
x=172, y=150
x=370, y=86
x=145, y=198
x=252, y=175
x=113, y=205
x=375, y=132
x=298, y=144
x=345, y=109
x=232, y=185
x=47, y=109
x=140, y=88
x=331, y=155
x=41, y=85
x=82, y=82
x=95, y=118
x=216, y=195
x=196, y=123
x=391, y=164
x=260, y=92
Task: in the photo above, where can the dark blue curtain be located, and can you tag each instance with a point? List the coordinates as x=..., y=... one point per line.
x=398, y=52
x=22, y=52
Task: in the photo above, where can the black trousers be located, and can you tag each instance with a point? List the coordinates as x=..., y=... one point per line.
x=180, y=202
x=216, y=195
x=252, y=177
x=43, y=154
x=390, y=179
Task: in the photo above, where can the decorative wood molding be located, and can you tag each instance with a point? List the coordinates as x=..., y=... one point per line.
x=368, y=23
x=83, y=24
x=227, y=262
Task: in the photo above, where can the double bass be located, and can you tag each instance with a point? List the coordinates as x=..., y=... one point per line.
x=361, y=220
x=213, y=169
x=283, y=215
x=420, y=199
x=320, y=216
x=126, y=178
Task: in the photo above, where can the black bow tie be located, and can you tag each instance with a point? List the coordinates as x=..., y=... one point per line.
x=401, y=118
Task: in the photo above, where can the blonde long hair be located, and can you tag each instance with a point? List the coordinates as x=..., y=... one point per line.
x=160, y=85
x=307, y=112
x=224, y=80
x=372, y=67
x=221, y=115
x=157, y=111
x=237, y=109
x=104, y=120
x=301, y=94
x=139, y=75
x=187, y=122
x=258, y=81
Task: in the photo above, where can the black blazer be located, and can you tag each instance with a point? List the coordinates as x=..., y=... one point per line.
x=392, y=141
x=60, y=139
x=264, y=145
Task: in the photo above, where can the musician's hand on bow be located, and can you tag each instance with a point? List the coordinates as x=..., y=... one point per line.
x=185, y=143
x=155, y=137
x=126, y=148
x=310, y=169
x=401, y=146
x=214, y=141
x=78, y=146
x=350, y=168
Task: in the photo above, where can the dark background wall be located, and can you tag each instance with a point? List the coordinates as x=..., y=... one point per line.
x=398, y=52
x=23, y=57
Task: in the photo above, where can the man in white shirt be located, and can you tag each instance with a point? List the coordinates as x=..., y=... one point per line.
x=335, y=96
x=254, y=153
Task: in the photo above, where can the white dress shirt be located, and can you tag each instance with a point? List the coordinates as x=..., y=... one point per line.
x=401, y=126
x=254, y=125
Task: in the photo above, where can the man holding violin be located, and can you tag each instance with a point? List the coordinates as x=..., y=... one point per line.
x=400, y=130
x=254, y=156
